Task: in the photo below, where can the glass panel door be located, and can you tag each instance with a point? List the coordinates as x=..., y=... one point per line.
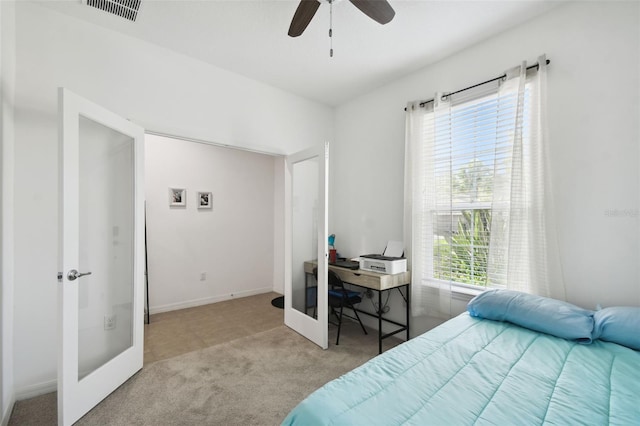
x=105, y=300
x=305, y=210
x=100, y=289
x=306, y=197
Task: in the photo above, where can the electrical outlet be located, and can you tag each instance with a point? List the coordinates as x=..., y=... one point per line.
x=203, y=276
x=109, y=322
x=369, y=293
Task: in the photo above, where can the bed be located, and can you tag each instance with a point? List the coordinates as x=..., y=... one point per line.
x=496, y=365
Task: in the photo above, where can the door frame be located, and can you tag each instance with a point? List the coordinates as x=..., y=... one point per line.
x=77, y=397
x=314, y=329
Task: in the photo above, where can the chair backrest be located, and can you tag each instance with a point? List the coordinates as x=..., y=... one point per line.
x=334, y=281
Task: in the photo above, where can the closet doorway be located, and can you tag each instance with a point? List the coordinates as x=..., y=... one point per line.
x=214, y=221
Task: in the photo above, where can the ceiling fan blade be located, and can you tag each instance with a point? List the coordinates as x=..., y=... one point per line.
x=304, y=13
x=378, y=10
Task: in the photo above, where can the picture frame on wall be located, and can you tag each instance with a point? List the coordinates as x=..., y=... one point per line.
x=205, y=200
x=177, y=197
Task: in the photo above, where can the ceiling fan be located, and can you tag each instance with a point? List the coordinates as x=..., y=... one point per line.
x=378, y=10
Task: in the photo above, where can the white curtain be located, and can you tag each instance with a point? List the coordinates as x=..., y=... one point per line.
x=523, y=253
x=418, y=163
x=428, y=296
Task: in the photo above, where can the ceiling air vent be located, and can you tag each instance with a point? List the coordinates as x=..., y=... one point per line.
x=127, y=9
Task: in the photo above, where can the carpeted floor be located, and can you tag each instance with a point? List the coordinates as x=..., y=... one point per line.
x=186, y=330
x=254, y=380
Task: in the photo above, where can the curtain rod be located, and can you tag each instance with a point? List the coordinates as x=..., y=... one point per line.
x=423, y=103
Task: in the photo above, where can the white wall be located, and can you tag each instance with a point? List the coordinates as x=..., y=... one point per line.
x=593, y=112
x=7, y=93
x=157, y=88
x=231, y=243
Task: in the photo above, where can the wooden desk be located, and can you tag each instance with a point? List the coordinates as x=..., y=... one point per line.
x=376, y=282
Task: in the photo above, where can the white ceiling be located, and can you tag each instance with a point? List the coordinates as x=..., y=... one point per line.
x=250, y=38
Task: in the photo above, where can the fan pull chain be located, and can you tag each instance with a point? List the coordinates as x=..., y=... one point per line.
x=331, y=28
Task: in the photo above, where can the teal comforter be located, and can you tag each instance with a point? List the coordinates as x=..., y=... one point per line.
x=478, y=371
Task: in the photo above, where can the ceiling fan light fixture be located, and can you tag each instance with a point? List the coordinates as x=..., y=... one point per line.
x=303, y=15
x=378, y=10
x=331, y=28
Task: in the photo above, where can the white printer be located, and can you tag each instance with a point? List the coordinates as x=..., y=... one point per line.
x=383, y=264
x=390, y=262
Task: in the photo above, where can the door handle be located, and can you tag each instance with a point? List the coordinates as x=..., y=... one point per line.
x=73, y=274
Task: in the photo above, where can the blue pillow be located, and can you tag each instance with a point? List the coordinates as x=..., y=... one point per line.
x=537, y=313
x=620, y=324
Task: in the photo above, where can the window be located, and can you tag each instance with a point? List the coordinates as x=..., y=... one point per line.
x=468, y=162
x=478, y=195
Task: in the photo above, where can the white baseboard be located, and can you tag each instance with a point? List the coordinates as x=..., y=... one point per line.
x=7, y=412
x=206, y=300
x=36, y=390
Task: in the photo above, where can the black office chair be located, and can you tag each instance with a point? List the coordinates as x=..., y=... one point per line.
x=341, y=297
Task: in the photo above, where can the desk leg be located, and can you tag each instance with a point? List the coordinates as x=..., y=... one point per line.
x=408, y=309
x=379, y=321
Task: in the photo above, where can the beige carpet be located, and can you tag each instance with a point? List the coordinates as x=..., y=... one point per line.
x=186, y=330
x=254, y=380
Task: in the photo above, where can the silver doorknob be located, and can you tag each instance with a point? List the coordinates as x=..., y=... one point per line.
x=73, y=274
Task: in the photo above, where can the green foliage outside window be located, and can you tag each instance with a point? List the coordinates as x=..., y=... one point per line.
x=461, y=242
x=461, y=256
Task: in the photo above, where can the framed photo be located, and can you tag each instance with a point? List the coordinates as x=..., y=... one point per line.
x=177, y=197
x=205, y=200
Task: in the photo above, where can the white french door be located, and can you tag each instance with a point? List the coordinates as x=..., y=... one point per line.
x=100, y=289
x=306, y=199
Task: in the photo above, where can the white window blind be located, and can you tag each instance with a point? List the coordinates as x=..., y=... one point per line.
x=471, y=136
